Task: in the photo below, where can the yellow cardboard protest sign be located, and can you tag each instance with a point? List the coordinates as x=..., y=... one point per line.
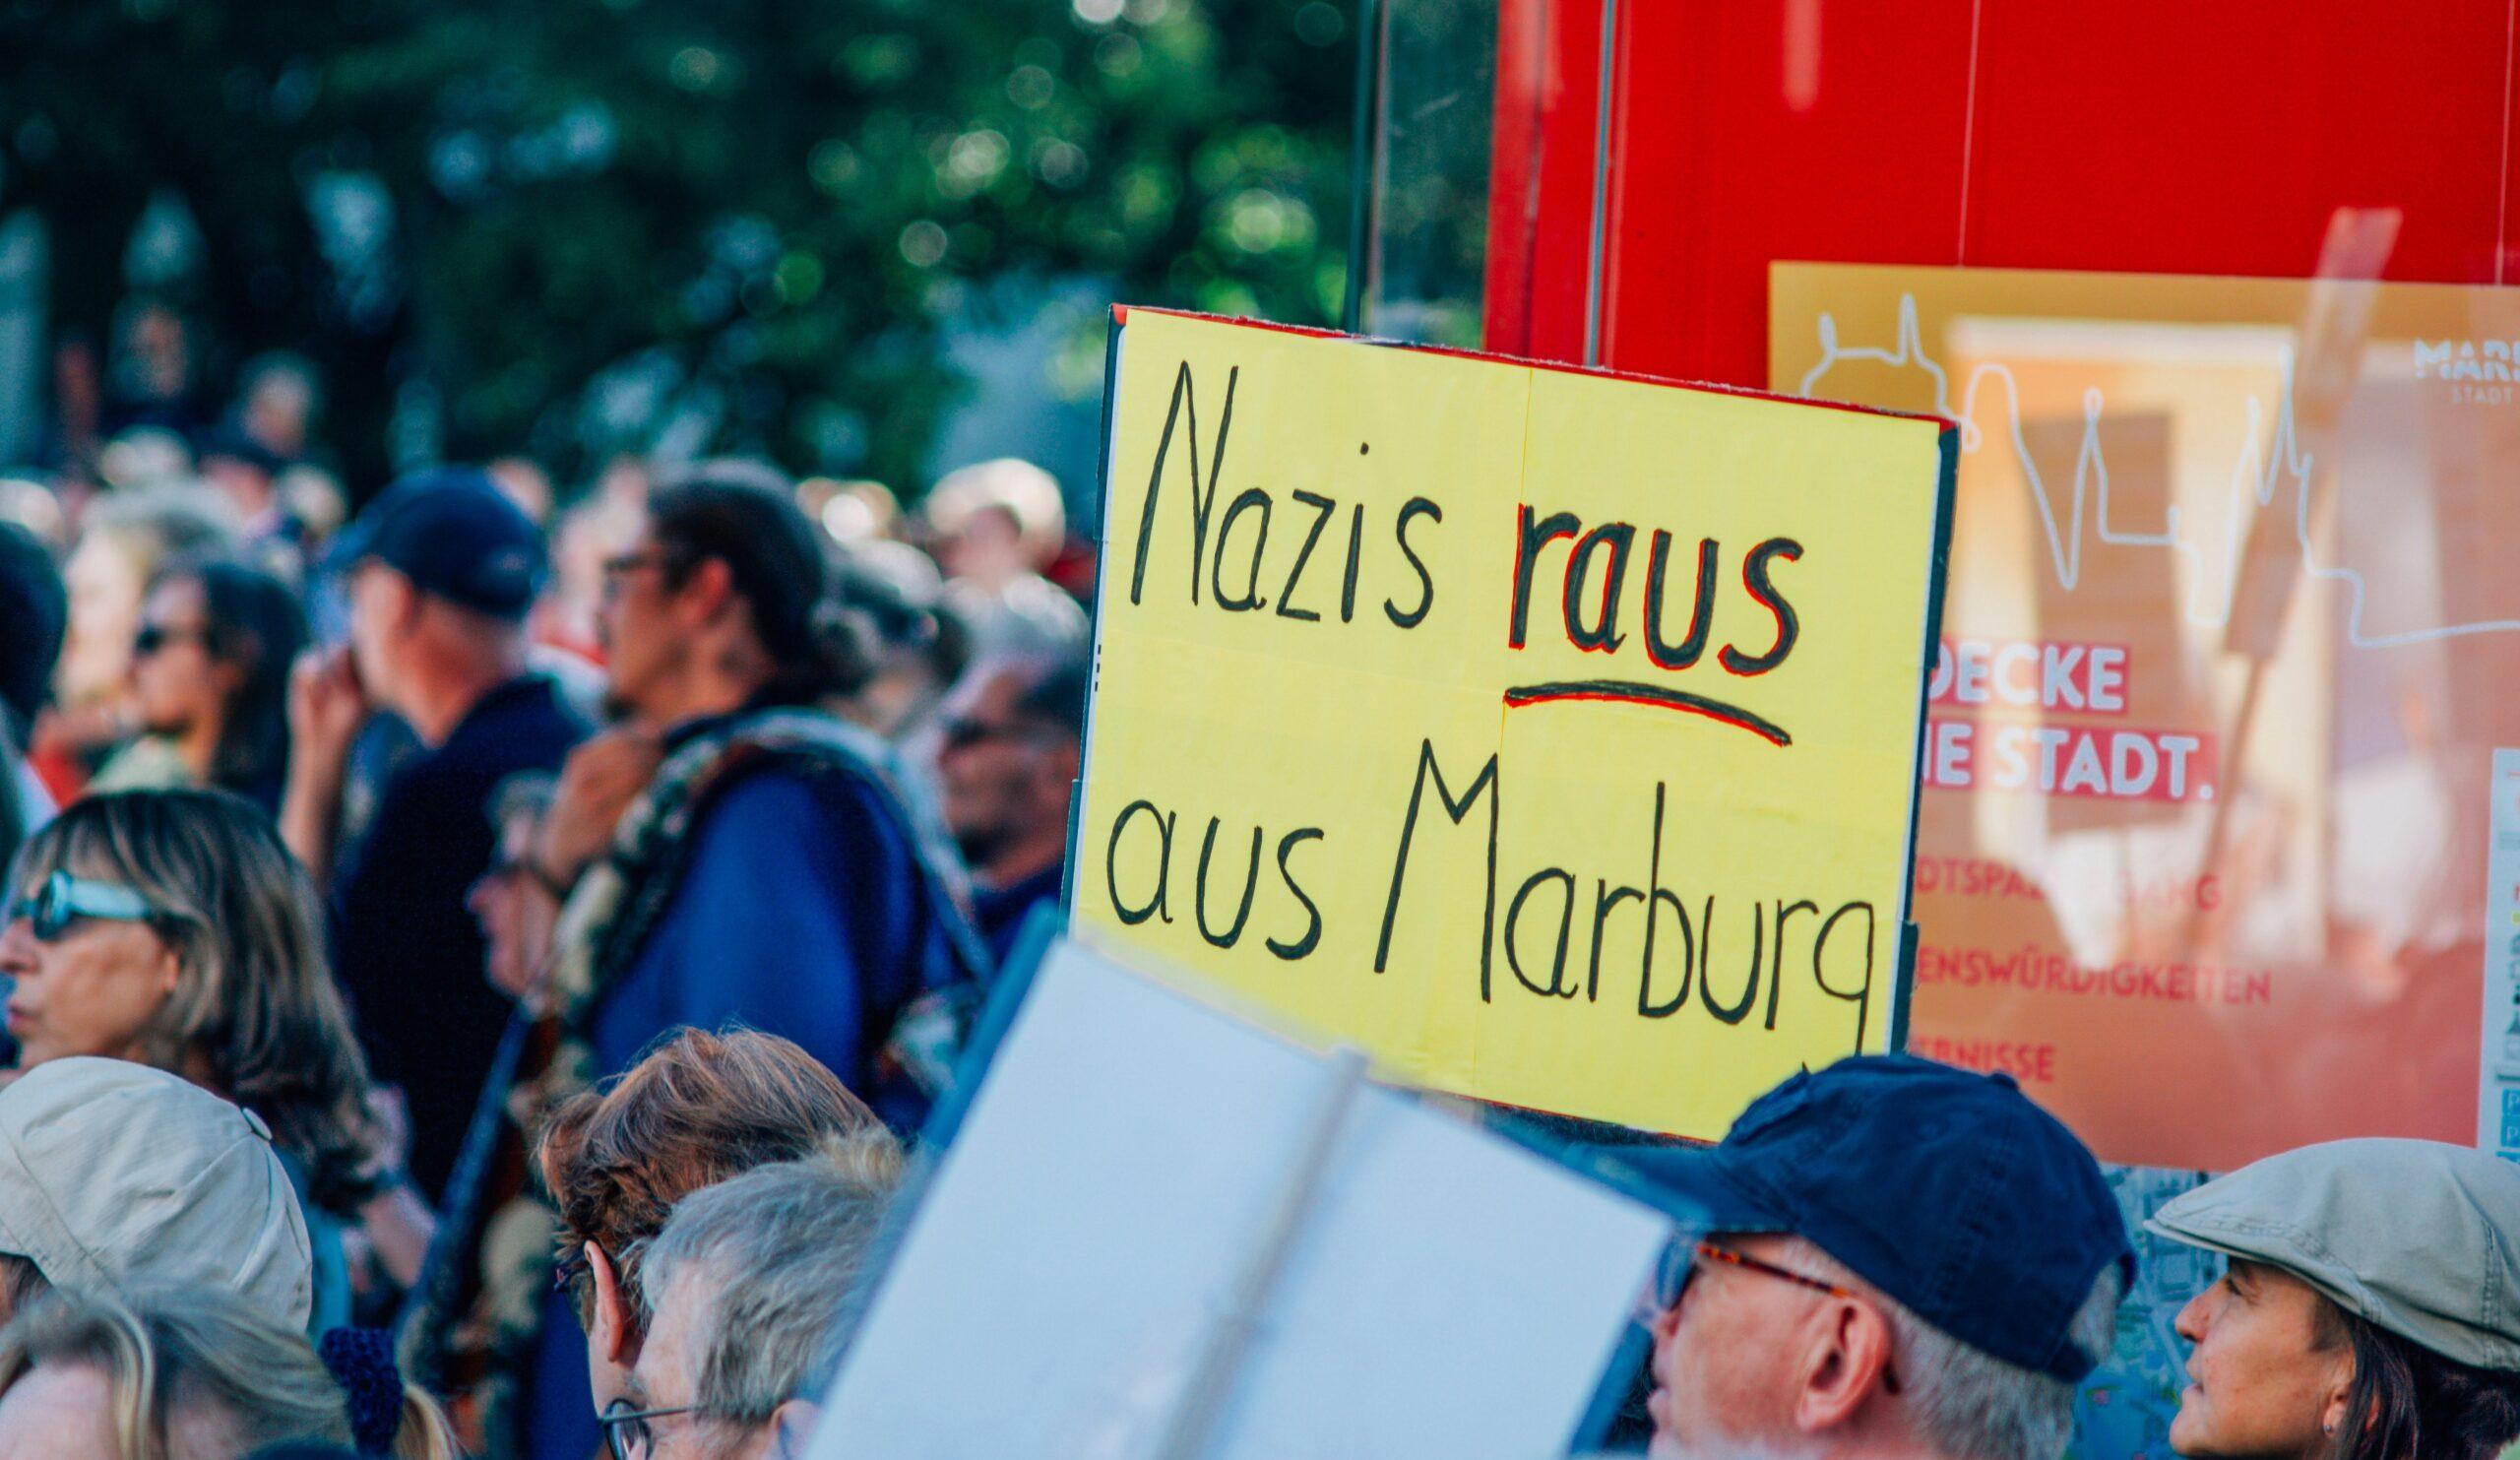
x=1550, y=735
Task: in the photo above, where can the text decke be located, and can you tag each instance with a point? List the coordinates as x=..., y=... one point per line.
x=1553, y=737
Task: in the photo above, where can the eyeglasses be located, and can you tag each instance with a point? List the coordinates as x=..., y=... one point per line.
x=962, y=732
x=1683, y=1262
x=64, y=899
x=626, y=1434
x=622, y=565
x=155, y=636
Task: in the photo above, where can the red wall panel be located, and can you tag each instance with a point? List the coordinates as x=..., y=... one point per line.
x=2174, y=137
x=1540, y=194
x=2140, y=135
x=1715, y=170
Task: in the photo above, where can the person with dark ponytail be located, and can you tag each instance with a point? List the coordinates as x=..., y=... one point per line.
x=731, y=852
x=2369, y=1310
x=210, y=683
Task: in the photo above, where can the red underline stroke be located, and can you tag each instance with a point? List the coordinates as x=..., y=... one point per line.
x=1625, y=691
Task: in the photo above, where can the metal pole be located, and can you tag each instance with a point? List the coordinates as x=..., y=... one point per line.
x=1593, y=283
x=1365, y=163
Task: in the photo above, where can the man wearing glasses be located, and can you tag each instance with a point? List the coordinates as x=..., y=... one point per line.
x=1009, y=741
x=746, y=1291
x=731, y=852
x=1890, y=1257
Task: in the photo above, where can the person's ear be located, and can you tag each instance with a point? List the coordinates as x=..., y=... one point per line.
x=2336, y=1411
x=708, y=591
x=1848, y=1359
x=407, y=604
x=791, y=1428
x=171, y=967
x=613, y=1336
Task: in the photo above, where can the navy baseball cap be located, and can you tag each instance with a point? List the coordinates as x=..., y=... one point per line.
x=1949, y=1191
x=231, y=444
x=455, y=536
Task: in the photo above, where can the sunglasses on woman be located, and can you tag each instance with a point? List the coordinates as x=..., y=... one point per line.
x=153, y=637
x=63, y=900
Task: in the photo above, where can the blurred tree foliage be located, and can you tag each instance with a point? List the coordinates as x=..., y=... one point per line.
x=583, y=226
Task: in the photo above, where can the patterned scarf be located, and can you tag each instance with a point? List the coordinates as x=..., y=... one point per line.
x=483, y=1330
x=616, y=905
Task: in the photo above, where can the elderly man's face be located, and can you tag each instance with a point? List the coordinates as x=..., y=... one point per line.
x=667, y=1376
x=1002, y=778
x=1724, y=1357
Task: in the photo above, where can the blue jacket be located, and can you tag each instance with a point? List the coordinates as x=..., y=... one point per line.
x=800, y=912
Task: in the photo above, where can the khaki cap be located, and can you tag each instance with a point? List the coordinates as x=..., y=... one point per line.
x=2419, y=1238
x=116, y=1177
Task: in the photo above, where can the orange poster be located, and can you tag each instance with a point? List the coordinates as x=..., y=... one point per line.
x=2230, y=645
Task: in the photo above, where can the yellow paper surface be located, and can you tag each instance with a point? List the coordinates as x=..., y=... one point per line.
x=1784, y=790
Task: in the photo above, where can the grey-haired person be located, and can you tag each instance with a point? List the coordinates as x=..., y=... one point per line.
x=746, y=1291
x=1886, y=1259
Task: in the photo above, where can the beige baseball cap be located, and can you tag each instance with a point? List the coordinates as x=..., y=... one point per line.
x=115, y=1176
x=2420, y=1238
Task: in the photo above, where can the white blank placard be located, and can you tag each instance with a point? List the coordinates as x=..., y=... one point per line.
x=1451, y=1295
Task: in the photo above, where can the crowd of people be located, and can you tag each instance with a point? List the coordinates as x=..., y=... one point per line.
x=474, y=966
x=410, y=835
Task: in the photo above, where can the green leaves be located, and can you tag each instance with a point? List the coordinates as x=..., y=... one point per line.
x=785, y=201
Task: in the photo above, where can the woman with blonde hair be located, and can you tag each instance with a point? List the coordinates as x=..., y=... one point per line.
x=126, y=538
x=173, y=929
x=210, y=683
x=195, y=1375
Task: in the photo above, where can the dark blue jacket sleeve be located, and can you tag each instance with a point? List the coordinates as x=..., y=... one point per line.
x=797, y=915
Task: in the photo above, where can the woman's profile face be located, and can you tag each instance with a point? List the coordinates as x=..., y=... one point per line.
x=2262, y=1381
x=94, y=990
x=177, y=684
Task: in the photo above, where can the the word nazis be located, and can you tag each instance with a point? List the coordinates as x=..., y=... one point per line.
x=1229, y=566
